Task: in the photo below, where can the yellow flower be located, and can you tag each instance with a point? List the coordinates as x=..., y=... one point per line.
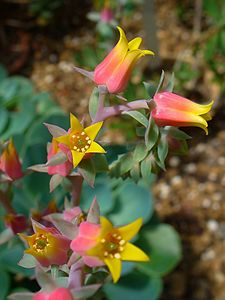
x=108, y=244
x=47, y=246
x=80, y=140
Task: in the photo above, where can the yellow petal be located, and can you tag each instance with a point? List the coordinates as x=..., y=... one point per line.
x=64, y=139
x=93, y=130
x=77, y=157
x=114, y=266
x=75, y=124
x=95, y=148
x=134, y=44
x=133, y=253
x=130, y=230
x=106, y=226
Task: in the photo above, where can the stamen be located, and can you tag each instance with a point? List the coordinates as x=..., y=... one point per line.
x=83, y=149
x=75, y=147
x=87, y=147
x=89, y=142
x=87, y=138
x=122, y=242
x=121, y=249
x=114, y=235
x=106, y=253
x=102, y=241
x=117, y=255
x=82, y=133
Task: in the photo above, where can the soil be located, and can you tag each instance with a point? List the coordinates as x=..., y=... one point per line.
x=190, y=194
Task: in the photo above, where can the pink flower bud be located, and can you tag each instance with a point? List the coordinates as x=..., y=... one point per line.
x=106, y=15
x=9, y=162
x=58, y=294
x=115, y=70
x=174, y=110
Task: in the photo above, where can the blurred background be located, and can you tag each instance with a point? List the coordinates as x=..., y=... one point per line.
x=43, y=39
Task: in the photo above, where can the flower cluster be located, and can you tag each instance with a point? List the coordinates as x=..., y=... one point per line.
x=80, y=244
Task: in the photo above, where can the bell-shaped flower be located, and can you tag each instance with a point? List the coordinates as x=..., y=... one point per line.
x=107, y=244
x=64, y=168
x=47, y=245
x=174, y=110
x=115, y=70
x=80, y=140
x=10, y=163
x=58, y=294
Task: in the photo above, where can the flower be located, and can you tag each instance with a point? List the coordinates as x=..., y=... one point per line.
x=16, y=222
x=80, y=140
x=10, y=163
x=47, y=245
x=108, y=244
x=174, y=110
x=106, y=15
x=115, y=70
x=58, y=294
x=62, y=169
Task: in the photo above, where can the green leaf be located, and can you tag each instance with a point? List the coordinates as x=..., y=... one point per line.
x=4, y=285
x=151, y=134
x=134, y=286
x=87, y=170
x=137, y=116
x=122, y=165
x=146, y=169
x=160, y=81
x=131, y=202
x=140, y=152
x=162, y=151
x=163, y=245
x=150, y=89
x=135, y=172
x=178, y=134
x=100, y=163
x=93, y=103
x=170, y=84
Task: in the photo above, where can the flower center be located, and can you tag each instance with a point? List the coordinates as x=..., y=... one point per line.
x=113, y=245
x=80, y=141
x=40, y=243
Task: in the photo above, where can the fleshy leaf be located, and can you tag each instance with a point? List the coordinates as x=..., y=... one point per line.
x=137, y=116
x=94, y=212
x=27, y=261
x=55, y=131
x=68, y=229
x=55, y=181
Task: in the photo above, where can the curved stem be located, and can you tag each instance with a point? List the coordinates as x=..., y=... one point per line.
x=5, y=201
x=116, y=110
x=77, y=182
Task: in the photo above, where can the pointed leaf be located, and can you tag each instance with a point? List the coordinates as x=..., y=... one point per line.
x=44, y=280
x=55, y=181
x=87, y=170
x=59, y=158
x=39, y=168
x=27, y=261
x=94, y=102
x=21, y=296
x=85, y=291
x=137, y=116
x=170, y=85
x=6, y=235
x=55, y=131
x=66, y=228
x=151, y=134
x=140, y=152
x=94, y=212
x=162, y=151
x=150, y=89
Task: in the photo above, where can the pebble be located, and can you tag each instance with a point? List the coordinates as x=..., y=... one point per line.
x=208, y=254
x=212, y=225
